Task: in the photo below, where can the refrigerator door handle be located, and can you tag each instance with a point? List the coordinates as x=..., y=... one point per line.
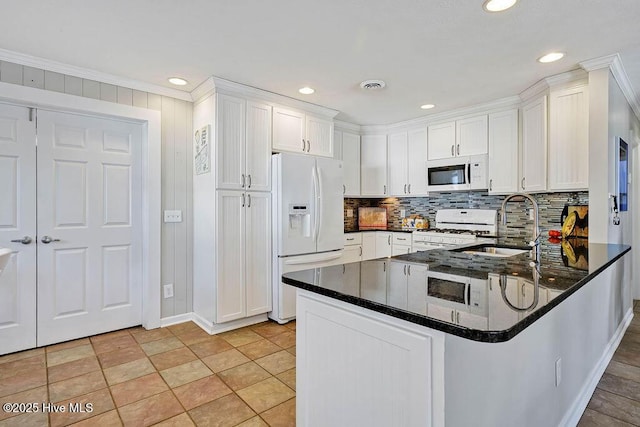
x=314, y=176
x=319, y=201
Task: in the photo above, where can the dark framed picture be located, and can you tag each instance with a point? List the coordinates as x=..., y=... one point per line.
x=622, y=173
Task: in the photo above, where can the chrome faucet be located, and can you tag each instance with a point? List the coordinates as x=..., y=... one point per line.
x=536, y=228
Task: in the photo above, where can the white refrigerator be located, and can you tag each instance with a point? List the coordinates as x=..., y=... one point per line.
x=308, y=228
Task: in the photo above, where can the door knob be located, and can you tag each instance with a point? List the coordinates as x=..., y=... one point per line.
x=25, y=240
x=47, y=239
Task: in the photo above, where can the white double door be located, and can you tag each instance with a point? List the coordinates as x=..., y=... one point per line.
x=70, y=209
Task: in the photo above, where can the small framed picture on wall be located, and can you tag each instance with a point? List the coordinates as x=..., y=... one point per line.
x=622, y=174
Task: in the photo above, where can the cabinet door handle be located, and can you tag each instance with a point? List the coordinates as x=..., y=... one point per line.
x=522, y=183
x=344, y=189
x=409, y=188
x=389, y=240
x=308, y=146
x=401, y=238
x=242, y=180
x=405, y=269
x=248, y=181
x=405, y=189
x=452, y=153
x=490, y=283
x=490, y=184
x=384, y=266
x=343, y=268
x=409, y=270
x=304, y=147
x=458, y=317
x=360, y=250
x=350, y=238
x=243, y=200
x=458, y=150
x=248, y=200
x=384, y=189
x=452, y=317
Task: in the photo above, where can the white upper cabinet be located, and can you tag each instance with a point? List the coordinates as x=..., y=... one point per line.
x=533, y=155
x=258, y=148
x=397, y=164
x=351, y=163
x=243, y=148
x=319, y=136
x=373, y=165
x=472, y=136
x=417, y=162
x=503, y=152
x=298, y=132
x=569, y=139
x=442, y=141
x=407, y=156
x=289, y=130
x=464, y=137
x=231, y=146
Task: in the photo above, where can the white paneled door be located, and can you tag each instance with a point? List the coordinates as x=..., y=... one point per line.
x=86, y=235
x=17, y=228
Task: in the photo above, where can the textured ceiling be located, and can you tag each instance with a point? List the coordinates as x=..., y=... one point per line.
x=447, y=52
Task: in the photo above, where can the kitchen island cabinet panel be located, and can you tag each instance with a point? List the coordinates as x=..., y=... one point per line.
x=381, y=375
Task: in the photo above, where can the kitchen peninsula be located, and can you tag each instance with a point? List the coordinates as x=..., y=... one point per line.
x=458, y=338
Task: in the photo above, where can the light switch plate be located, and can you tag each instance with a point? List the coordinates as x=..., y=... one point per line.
x=172, y=216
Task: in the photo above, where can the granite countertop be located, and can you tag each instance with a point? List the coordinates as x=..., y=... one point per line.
x=383, y=285
x=394, y=230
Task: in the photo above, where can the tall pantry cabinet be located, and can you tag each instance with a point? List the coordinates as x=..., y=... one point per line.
x=232, y=212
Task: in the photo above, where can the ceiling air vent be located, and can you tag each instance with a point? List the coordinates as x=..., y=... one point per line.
x=373, y=84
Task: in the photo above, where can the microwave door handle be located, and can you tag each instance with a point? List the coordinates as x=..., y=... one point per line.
x=469, y=172
x=467, y=294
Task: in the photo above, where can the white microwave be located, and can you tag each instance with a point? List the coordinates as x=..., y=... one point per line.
x=458, y=173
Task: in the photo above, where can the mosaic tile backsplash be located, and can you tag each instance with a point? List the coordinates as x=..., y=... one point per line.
x=550, y=207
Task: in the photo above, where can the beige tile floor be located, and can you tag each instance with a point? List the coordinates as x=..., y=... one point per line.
x=175, y=376
x=181, y=376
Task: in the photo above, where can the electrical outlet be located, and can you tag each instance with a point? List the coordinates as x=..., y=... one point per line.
x=558, y=372
x=168, y=290
x=403, y=213
x=172, y=216
x=530, y=213
x=349, y=213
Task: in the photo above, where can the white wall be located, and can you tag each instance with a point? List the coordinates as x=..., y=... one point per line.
x=176, y=165
x=513, y=383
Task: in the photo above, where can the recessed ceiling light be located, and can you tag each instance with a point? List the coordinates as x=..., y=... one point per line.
x=498, y=5
x=427, y=106
x=551, y=57
x=306, y=90
x=177, y=81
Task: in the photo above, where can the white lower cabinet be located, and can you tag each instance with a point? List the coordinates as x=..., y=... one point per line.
x=401, y=243
x=368, y=246
x=407, y=288
x=373, y=281
x=384, y=246
x=242, y=282
x=352, y=248
x=457, y=317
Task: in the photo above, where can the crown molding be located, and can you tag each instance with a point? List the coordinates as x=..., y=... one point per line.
x=219, y=85
x=85, y=73
x=346, y=126
x=484, y=108
x=615, y=66
x=577, y=76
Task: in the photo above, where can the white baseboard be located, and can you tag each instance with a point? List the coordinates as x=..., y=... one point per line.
x=216, y=328
x=573, y=415
x=174, y=320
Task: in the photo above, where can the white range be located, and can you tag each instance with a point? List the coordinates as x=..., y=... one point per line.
x=456, y=227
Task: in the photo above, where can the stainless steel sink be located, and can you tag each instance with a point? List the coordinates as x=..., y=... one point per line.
x=493, y=251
